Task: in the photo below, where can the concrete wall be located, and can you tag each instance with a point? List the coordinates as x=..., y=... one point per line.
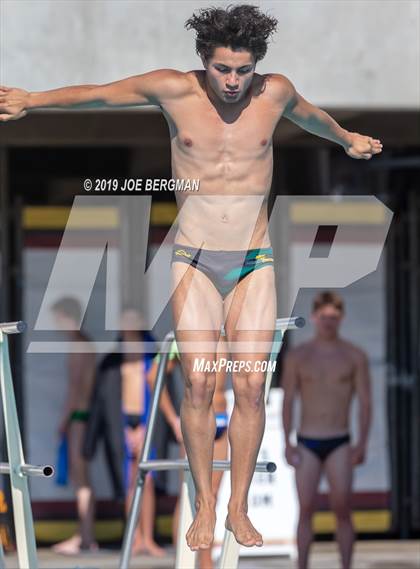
x=363, y=53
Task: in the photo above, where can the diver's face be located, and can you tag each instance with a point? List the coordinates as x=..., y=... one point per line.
x=327, y=320
x=229, y=73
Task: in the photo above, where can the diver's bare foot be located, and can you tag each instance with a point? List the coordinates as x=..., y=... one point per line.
x=245, y=533
x=201, y=532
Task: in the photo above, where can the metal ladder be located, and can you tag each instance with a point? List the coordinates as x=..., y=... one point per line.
x=185, y=558
x=17, y=469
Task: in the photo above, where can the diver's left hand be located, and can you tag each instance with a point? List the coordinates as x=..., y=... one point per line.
x=363, y=147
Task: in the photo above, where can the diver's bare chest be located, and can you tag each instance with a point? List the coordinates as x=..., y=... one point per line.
x=203, y=127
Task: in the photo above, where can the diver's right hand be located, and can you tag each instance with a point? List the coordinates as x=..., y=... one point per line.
x=13, y=103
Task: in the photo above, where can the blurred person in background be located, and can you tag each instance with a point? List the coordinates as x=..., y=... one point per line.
x=75, y=414
x=326, y=373
x=119, y=411
x=135, y=399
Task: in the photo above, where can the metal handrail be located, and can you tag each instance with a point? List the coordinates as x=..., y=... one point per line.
x=17, y=468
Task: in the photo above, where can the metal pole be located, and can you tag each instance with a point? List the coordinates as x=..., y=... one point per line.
x=13, y=327
x=150, y=427
x=182, y=464
x=45, y=471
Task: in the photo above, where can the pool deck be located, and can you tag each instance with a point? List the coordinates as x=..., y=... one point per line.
x=368, y=555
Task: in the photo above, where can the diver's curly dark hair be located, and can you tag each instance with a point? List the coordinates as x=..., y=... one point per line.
x=237, y=26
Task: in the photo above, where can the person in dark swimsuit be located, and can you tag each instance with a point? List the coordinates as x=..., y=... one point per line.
x=135, y=399
x=72, y=427
x=322, y=448
x=326, y=373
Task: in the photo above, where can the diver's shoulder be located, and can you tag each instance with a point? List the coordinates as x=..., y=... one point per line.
x=276, y=85
x=173, y=81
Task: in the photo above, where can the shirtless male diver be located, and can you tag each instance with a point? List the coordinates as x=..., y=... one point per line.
x=221, y=121
x=326, y=373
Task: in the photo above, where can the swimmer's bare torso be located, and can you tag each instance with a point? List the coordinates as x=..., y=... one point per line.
x=229, y=149
x=326, y=383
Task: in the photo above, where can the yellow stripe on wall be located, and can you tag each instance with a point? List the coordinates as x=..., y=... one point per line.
x=163, y=213
x=369, y=521
x=57, y=530
x=364, y=521
x=56, y=217
x=327, y=212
